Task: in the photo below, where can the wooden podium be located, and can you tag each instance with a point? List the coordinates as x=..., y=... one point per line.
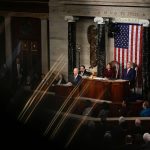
x=111, y=90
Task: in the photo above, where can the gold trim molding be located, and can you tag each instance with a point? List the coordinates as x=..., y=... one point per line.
x=137, y=3
x=25, y=14
x=103, y=11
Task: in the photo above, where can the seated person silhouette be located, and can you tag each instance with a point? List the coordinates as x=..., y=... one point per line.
x=108, y=72
x=59, y=80
x=115, y=66
x=145, y=112
x=83, y=71
x=129, y=74
x=75, y=79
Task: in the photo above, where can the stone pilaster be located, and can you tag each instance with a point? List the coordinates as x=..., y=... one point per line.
x=71, y=43
x=101, y=54
x=44, y=45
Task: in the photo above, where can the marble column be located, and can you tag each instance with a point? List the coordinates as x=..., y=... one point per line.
x=44, y=46
x=8, y=49
x=8, y=45
x=71, y=43
x=101, y=54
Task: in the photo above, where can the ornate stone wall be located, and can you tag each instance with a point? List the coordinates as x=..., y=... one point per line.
x=109, y=8
x=58, y=9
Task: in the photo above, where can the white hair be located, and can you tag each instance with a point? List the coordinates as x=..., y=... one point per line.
x=121, y=119
x=146, y=137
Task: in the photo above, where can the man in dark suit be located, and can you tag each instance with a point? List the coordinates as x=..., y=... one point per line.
x=83, y=71
x=76, y=78
x=17, y=72
x=129, y=74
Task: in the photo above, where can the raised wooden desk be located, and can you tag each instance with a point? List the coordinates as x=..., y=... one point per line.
x=65, y=91
x=97, y=88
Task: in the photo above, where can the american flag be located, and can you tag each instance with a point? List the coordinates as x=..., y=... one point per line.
x=128, y=44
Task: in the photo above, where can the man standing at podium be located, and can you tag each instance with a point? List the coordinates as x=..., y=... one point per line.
x=129, y=74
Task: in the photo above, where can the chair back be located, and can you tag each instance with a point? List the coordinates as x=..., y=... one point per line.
x=115, y=65
x=135, y=67
x=134, y=84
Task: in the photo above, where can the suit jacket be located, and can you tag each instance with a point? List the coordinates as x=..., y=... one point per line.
x=130, y=75
x=109, y=73
x=145, y=112
x=76, y=80
x=85, y=73
x=17, y=71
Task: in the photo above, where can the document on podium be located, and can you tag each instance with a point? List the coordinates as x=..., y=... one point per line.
x=100, y=78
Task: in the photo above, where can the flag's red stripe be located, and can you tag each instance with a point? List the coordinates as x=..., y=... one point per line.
x=119, y=55
x=131, y=52
x=127, y=55
x=140, y=51
x=123, y=59
x=115, y=54
x=129, y=47
x=136, y=43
